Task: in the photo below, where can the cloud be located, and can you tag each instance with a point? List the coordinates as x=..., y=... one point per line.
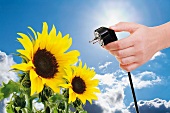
x=153, y=106
x=5, y=62
x=5, y=75
x=38, y=105
x=112, y=86
x=142, y=80
x=157, y=54
x=93, y=108
x=105, y=65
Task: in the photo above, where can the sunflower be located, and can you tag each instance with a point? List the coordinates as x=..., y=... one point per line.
x=81, y=83
x=46, y=58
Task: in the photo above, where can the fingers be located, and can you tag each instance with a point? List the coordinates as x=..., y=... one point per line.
x=120, y=44
x=129, y=67
x=125, y=26
x=127, y=60
x=123, y=52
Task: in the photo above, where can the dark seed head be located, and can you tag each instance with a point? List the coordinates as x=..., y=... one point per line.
x=45, y=63
x=79, y=85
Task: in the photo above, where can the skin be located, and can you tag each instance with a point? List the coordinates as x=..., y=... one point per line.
x=139, y=47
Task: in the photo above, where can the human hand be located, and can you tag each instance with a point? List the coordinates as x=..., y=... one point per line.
x=137, y=48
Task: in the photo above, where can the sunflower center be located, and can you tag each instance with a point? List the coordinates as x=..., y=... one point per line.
x=45, y=63
x=79, y=85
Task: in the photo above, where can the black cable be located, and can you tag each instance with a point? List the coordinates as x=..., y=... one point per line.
x=133, y=92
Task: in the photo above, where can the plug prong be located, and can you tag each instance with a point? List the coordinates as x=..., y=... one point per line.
x=96, y=38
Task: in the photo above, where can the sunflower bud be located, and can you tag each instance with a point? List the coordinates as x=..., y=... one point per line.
x=19, y=101
x=61, y=106
x=66, y=93
x=77, y=103
x=45, y=94
x=47, y=110
x=26, y=83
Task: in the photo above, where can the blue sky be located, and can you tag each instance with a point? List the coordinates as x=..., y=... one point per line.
x=80, y=19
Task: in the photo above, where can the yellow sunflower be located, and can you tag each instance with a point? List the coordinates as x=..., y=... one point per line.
x=81, y=83
x=46, y=58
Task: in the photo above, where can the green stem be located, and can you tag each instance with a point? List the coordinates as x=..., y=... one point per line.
x=29, y=102
x=67, y=106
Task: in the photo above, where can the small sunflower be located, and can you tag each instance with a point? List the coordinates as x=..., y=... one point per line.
x=46, y=58
x=81, y=83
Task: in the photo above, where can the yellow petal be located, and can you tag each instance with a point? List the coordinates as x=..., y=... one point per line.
x=91, y=74
x=25, y=40
x=81, y=97
x=71, y=91
x=25, y=53
x=57, y=43
x=37, y=44
x=53, y=32
x=33, y=74
x=59, y=35
x=85, y=66
x=93, y=83
x=91, y=96
x=93, y=90
x=67, y=42
x=68, y=73
x=53, y=84
x=80, y=64
x=40, y=85
x=65, y=85
x=42, y=39
x=72, y=96
x=36, y=85
x=90, y=100
x=35, y=35
x=45, y=29
x=33, y=86
x=23, y=66
x=71, y=56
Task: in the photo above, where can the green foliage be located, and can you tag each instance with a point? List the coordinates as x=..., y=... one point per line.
x=9, y=88
x=56, y=97
x=9, y=108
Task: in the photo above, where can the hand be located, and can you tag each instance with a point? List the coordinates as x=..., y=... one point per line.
x=137, y=48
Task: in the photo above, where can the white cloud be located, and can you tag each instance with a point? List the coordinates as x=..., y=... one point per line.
x=5, y=75
x=105, y=65
x=157, y=54
x=38, y=105
x=5, y=62
x=112, y=100
x=145, y=79
x=112, y=86
x=152, y=106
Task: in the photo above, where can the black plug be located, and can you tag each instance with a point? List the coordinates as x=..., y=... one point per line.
x=104, y=36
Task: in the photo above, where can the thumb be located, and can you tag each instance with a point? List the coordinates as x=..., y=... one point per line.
x=125, y=26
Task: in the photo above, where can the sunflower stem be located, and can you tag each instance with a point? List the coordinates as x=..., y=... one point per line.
x=29, y=102
x=67, y=106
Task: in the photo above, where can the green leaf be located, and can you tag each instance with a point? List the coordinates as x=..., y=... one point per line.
x=9, y=108
x=56, y=97
x=24, y=110
x=9, y=88
x=18, y=108
x=83, y=112
x=55, y=110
